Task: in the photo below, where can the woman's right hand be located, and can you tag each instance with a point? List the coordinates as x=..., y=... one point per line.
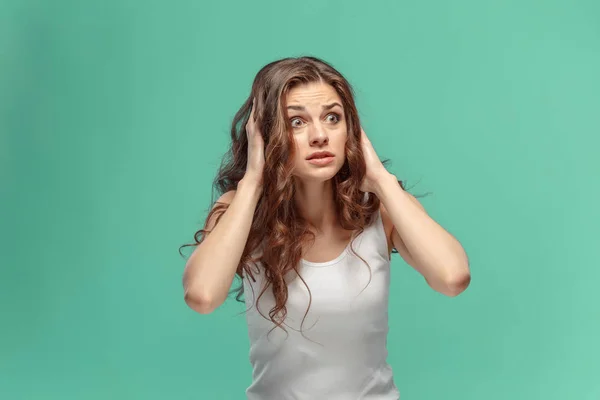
x=256, y=150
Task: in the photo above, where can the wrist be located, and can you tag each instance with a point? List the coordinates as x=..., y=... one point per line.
x=250, y=185
x=384, y=181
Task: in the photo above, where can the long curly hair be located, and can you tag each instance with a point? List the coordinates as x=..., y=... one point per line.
x=278, y=234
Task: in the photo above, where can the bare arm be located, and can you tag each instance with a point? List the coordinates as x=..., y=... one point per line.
x=422, y=242
x=210, y=270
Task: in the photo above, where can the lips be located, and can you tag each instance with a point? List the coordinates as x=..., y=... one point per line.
x=319, y=154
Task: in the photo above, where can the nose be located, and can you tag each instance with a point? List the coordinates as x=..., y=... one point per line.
x=319, y=137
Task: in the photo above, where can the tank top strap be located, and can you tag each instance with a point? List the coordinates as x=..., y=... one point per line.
x=378, y=231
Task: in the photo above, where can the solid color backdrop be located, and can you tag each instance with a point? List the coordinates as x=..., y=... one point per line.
x=114, y=115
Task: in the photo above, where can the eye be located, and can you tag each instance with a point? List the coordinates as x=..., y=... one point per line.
x=294, y=124
x=336, y=118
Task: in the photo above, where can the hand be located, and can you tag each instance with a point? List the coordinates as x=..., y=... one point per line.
x=256, y=149
x=376, y=172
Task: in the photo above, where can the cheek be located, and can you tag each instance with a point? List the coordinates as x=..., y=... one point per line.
x=342, y=142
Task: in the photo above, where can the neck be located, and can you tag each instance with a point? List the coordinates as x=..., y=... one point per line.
x=315, y=204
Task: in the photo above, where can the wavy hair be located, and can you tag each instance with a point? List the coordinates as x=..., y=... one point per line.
x=278, y=234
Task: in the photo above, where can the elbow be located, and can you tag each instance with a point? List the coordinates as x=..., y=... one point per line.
x=452, y=283
x=198, y=296
x=200, y=302
x=456, y=283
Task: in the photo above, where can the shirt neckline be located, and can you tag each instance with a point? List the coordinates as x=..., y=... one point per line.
x=336, y=260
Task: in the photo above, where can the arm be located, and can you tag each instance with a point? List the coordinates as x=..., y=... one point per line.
x=421, y=241
x=210, y=270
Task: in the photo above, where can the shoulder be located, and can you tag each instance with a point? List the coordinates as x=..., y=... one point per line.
x=388, y=226
x=226, y=197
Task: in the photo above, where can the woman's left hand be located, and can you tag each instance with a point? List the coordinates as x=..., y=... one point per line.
x=376, y=172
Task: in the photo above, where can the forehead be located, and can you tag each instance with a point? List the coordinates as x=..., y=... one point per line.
x=312, y=94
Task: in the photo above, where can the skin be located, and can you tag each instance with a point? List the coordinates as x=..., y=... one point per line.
x=420, y=240
x=316, y=129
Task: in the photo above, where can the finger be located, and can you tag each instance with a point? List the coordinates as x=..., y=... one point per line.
x=255, y=106
x=252, y=110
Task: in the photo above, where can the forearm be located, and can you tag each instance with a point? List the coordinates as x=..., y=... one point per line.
x=436, y=254
x=211, y=268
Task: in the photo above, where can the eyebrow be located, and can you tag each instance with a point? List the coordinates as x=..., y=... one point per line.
x=325, y=107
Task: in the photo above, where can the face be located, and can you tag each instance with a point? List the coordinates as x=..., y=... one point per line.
x=316, y=115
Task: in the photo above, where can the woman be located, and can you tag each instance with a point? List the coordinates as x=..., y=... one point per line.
x=308, y=218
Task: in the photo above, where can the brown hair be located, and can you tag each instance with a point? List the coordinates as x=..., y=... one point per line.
x=277, y=231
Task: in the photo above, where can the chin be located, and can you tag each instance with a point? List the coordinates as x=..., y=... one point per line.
x=318, y=175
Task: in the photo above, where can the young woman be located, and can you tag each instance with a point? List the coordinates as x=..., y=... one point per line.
x=308, y=218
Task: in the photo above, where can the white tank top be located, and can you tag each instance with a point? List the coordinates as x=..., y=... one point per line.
x=342, y=355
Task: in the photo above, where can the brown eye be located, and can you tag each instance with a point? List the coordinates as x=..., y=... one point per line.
x=336, y=118
x=294, y=124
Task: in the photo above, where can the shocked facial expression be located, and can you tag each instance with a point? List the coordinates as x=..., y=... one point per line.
x=316, y=115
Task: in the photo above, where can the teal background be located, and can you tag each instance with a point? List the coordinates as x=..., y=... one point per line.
x=114, y=115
